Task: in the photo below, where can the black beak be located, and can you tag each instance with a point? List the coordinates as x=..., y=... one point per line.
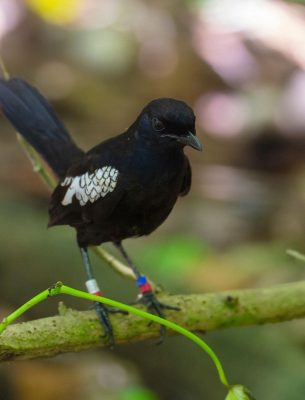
x=191, y=140
x=188, y=140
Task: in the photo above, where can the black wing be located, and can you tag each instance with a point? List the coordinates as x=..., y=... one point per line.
x=89, y=191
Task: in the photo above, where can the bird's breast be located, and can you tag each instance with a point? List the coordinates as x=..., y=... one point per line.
x=152, y=166
x=156, y=184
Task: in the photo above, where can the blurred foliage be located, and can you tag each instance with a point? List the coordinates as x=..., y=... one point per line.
x=136, y=393
x=172, y=257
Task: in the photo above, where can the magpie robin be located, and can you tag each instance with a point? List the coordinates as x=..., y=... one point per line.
x=124, y=187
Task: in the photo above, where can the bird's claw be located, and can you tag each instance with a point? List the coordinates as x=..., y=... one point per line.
x=103, y=316
x=111, y=310
x=154, y=306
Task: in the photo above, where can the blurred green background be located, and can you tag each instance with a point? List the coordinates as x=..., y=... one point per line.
x=241, y=65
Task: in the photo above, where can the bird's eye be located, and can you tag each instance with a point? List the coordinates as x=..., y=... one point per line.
x=157, y=124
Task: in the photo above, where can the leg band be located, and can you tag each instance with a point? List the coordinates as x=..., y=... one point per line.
x=143, y=284
x=93, y=288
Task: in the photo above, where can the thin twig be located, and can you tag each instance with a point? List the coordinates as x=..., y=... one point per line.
x=114, y=263
x=36, y=162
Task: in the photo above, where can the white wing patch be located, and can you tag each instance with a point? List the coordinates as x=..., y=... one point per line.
x=90, y=187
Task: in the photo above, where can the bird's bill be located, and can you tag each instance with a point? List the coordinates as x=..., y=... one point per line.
x=192, y=141
x=188, y=140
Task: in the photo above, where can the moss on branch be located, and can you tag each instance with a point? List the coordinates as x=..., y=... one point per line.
x=79, y=330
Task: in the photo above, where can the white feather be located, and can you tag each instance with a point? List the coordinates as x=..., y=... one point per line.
x=90, y=187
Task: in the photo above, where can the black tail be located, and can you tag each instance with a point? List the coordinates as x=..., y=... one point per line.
x=33, y=117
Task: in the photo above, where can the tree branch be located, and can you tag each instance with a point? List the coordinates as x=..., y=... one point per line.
x=75, y=331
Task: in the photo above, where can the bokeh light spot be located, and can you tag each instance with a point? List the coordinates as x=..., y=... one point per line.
x=56, y=11
x=221, y=114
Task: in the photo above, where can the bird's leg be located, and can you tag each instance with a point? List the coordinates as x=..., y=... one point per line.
x=93, y=288
x=146, y=295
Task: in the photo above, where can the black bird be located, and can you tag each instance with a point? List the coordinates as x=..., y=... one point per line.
x=124, y=187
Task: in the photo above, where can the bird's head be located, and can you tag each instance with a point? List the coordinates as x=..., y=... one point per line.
x=170, y=122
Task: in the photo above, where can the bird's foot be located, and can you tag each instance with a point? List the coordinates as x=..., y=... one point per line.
x=103, y=316
x=111, y=310
x=103, y=312
x=153, y=305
